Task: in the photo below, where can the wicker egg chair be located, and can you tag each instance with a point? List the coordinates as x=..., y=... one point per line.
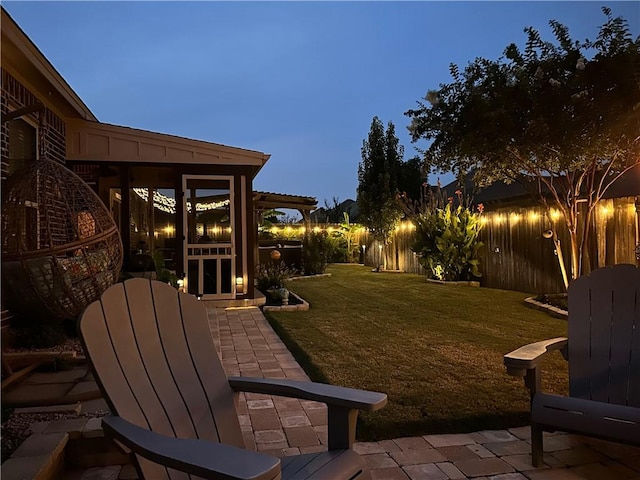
x=60, y=247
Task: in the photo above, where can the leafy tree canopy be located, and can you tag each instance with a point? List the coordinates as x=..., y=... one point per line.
x=562, y=117
x=378, y=180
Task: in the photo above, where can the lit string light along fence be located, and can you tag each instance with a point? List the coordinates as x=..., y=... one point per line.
x=516, y=254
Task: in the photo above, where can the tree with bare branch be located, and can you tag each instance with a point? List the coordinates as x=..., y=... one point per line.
x=562, y=118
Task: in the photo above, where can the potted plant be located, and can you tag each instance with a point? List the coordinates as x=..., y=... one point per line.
x=270, y=279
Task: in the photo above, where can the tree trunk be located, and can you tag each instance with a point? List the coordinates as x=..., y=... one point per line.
x=385, y=252
x=563, y=270
x=575, y=255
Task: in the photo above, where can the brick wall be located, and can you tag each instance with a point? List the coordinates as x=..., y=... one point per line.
x=4, y=137
x=51, y=135
x=51, y=141
x=88, y=173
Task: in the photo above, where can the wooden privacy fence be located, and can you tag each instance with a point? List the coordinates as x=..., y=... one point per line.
x=516, y=256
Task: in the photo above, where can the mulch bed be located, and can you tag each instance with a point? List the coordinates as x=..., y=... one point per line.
x=557, y=300
x=15, y=428
x=293, y=300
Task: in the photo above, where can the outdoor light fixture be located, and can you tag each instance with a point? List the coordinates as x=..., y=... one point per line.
x=199, y=296
x=182, y=283
x=240, y=285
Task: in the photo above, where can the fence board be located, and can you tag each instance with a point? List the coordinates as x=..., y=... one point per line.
x=516, y=256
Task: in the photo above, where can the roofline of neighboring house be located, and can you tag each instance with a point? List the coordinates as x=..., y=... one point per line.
x=26, y=46
x=500, y=193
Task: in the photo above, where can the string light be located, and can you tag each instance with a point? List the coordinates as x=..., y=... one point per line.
x=606, y=211
x=168, y=204
x=554, y=214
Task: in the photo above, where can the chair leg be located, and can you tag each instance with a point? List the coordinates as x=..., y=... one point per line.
x=537, y=451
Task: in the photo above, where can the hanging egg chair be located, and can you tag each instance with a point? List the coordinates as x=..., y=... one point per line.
x=60, y=246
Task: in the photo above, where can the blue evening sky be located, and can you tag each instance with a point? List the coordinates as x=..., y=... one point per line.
x=298, y=80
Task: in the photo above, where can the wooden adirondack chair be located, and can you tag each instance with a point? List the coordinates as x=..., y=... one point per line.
x=153, y=356
x=603, y=350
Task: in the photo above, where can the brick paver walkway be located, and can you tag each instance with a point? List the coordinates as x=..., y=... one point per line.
x=249, y=346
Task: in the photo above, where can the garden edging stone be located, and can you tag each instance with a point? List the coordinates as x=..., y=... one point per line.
x=471, y=283
x=544, y=307
x=303, y=306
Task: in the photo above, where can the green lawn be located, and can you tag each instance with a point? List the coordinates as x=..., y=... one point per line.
x=435, y=350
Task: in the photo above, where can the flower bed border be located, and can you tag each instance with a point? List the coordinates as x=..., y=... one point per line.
x=301, y=307
x=544, y=307
x=471, y=283
x=304, y=277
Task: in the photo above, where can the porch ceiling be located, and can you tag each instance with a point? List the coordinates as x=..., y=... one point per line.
x=268, y=200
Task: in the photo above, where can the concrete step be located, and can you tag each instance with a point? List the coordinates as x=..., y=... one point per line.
x=39, y=457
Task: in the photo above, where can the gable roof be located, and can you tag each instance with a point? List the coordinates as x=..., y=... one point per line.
x=87, y=139
x=24, y=60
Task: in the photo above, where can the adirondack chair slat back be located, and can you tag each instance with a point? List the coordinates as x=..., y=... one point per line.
x=154, y=358
x=604, y=336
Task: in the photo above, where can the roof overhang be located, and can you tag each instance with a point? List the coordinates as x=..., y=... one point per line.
x=23, y=60
x=101, y=142
x=269, y=200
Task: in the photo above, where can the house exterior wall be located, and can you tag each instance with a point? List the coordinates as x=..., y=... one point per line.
x=52, y=142
x=4, y=138
x=52, y=128
x=66, y=131
x=88, y=140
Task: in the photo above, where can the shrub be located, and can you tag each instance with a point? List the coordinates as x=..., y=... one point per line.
x=447, y=242
x=163, y=274
x=271, y=276
x=447, y=229
x=38, y=336
x=315, y=249
x=336, y=248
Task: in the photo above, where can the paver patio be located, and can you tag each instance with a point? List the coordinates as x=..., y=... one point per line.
x=249, y=346
x=283, y=426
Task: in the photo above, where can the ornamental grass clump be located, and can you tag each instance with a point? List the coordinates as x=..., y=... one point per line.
x=272, y=276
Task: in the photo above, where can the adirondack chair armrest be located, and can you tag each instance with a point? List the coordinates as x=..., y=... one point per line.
x=342, y=403
x=318, y=392
x=197, y=457
x=529, y=356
